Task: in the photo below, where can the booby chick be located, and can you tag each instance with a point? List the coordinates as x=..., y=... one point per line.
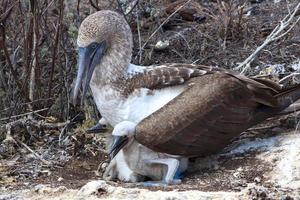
x=145, y=163
x=177, y=109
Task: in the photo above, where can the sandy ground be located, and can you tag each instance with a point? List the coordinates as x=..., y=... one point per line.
x=261, y=164
x=265, y=167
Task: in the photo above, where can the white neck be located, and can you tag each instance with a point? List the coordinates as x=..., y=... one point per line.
x=115, y=108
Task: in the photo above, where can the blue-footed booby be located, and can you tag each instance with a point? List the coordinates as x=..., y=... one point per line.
x=145, y=163
x=174, y=109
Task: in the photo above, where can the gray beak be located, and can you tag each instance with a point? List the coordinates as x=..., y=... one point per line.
x=98, y=128
x=89, y=58
x=118, y=143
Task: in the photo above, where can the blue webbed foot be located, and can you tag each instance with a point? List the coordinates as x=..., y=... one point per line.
x=160, y=183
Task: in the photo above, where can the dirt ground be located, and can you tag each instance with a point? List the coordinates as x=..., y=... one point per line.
x=247, y=169
x=263, y=163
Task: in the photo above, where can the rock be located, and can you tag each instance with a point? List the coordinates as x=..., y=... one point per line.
x=104, y=165
x=295, y=66
x=60, y=189
x=42, y=189
x=161, y=45
x=60, y=179
x=236, y=174
x=257, y=180
x=94, y=187
x=274, y=70
x=287, y=198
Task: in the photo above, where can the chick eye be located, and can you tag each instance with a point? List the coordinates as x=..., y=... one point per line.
x=94, y=46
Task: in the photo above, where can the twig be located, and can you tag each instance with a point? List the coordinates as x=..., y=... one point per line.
x=32, y=80
x=29, y=123
x=273, y=36
x=24, y=114
x=288, y=76
x=9, y=63
x=6, y=14
x=94, y=5
x=56, y=45
x=140, y=40
x=262, y=128
x=131, y=7
x=34, y=153
x=163, y=23
x=9, y=135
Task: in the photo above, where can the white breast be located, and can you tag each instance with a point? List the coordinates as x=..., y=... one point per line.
x=144, y=102
x=140, y=104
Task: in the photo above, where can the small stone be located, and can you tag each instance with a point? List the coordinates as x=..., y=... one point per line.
x=287, y=198
x=94, y=187
x=104, y=165
x=216, y=167
x=60, y=179
x=257, y=180
x=60, y=189
x=161, y=45
x=42, y=189
x=236, y=174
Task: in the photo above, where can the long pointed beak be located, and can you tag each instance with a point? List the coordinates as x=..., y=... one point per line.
x=89, y=58
x=118, y=143
x=98, y=128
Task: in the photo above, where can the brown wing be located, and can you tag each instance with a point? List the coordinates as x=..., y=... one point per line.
x=204, y=119
x=157, y=77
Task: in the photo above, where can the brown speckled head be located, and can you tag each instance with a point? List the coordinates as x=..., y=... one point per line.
x=112, y=28
x=103, y=25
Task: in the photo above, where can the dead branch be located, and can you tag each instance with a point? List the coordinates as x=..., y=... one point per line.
x=35, y=123
x=24, y=114
x=56, y=46
x=9, y=136
x=131, y=7
x=9, y=63
x=289, y=76
x=32, y=83
x=285, y=26
x=94, y=5
x=163, y=23
x=6, y=14
x=46, y=162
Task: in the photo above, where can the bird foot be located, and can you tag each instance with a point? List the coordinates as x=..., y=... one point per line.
x=160, y=183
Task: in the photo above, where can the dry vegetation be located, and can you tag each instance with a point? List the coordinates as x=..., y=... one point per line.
x=39, y=131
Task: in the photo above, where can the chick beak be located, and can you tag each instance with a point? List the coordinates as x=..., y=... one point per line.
x=118, y=143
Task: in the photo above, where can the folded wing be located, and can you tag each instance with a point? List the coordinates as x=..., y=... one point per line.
x=215, y=108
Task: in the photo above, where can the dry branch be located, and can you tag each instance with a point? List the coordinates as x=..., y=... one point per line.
x=35, y=123
x=9, y=63
x=285, y=26
x=289, y=76
x=34, y=153
x=56, y=46
x=24, y=114
x=163, y=23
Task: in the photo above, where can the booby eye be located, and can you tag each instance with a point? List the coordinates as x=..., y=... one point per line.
x=94, y=45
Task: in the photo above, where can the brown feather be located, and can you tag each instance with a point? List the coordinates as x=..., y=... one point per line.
x=214, y=109
x=158, y=77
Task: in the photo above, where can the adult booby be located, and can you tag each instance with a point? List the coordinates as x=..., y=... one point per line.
x=178, y=109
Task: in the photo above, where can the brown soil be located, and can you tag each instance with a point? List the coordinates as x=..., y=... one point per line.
x=203, y=40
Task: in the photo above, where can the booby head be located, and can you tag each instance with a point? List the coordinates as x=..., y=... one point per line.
x=101, y=35
x=122, y=134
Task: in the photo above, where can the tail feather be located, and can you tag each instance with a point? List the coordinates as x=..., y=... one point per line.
x=295, y=107
x=288, y=96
